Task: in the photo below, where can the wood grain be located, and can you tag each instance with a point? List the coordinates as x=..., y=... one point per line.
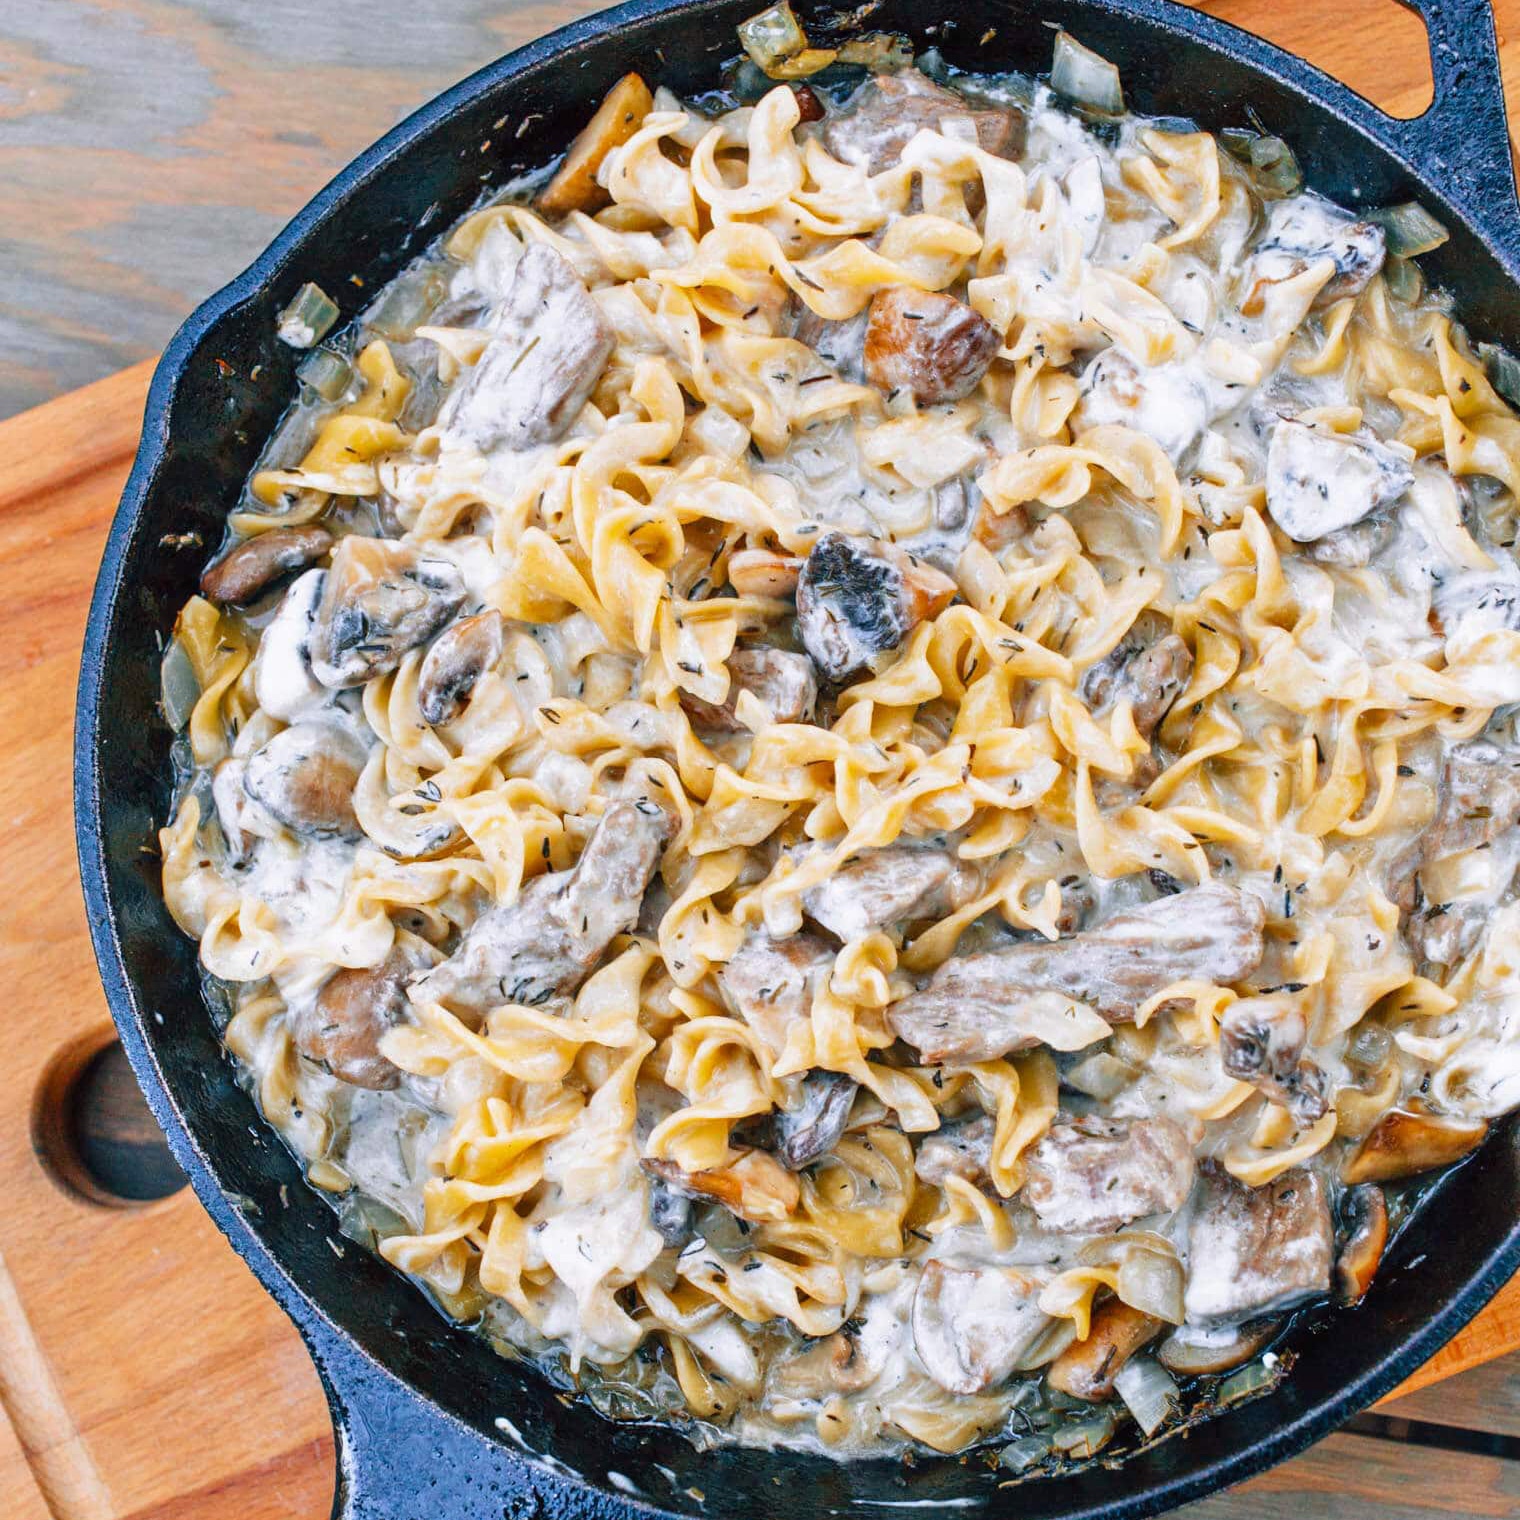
x=148, y=148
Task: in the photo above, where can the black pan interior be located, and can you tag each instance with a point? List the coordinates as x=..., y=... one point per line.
x=225, y=385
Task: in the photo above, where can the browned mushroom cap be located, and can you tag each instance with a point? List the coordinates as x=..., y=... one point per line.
x=341, y=1029
x=927, y=343
x=1366, y=1218
x=832, y=1365
x=459, y=657
x=574, y=187
x=1187, y=1354
x=1404, y=1145
x=249, y=570
x=305, y=777
x=1086, y=1369
x=755, y=1187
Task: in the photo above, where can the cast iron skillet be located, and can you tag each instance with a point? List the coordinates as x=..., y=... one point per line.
x=430, y=1421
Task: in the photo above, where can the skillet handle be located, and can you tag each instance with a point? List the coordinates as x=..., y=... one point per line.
x=1462, y=142
x=401, y=1458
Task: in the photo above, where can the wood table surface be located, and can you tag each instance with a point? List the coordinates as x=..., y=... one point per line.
x=148, y=150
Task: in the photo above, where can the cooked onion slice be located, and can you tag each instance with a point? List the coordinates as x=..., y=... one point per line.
x=1086, y=77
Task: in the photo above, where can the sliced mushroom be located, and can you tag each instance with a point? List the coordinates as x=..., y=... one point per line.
x=1364, y=1212
x=884, y=887
x=971, y=1324
x=246, y=572
x=342, y=1027
x=1319, y=483
x=1403, y=1144
x=549, y=345
x=1254, y=1251
x=547, y=942
x=857, y=598
x=1090, y=1175
x=670, y=1213
x=1191, y=1352
x=769, y=983
x=1086, y=1369
x=282, y=675
x=305, y=778
x=883, y=115
x=928, y=344
x=459, y=656
x=1303, y=229
x=980, y=1006
x=1166, y=402
x=574, y=186
x=380, y=599
x=1262, y=1041
x=756, y=1187
x=782, y=682
x=803, y=1134
x=1149, y=668
x=763, y=572
x=962, y=1149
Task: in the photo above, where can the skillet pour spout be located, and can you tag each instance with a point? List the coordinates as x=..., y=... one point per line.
x=429, y=1419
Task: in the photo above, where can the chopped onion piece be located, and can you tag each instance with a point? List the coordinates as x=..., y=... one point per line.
x=1148, y=1392
x=1086, y=1438
x=881, y=52
x=1410, y=229
x=1252, y=1379
x=773, y=36
x=1405, y=282
x=1153, y=1284
x=809, y=61
x=1101, y=1075
x=179, y=688
x=1084, y=76
x=326, y=373
x=1270, y=159
x=1503, y=371
x=1022, y=1454
x=308, y=319
x=407, y=302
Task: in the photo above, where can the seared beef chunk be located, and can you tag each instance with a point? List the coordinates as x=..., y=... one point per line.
x=959, y=1149
x=548, y=941
x=1256, y=1250
x=1088, y=1176
x=881, y=888
x=769, y=983
x=887, y=111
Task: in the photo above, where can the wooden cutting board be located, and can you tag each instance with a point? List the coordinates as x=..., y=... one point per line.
x=143, y=1372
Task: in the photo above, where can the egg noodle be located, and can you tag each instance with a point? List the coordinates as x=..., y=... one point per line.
x=513, y=1157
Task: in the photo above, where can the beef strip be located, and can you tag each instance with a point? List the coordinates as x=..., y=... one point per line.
x=886, y=112
x=878, y=889
x=1261, y=1041
x=1320, y=483
x=1090, y=1175
x=548, y=941
x=769, y=983
x=549, y=345
x=857, y=598
x=1149, y=668
x=928, y=344
x=980, y=1006
x=784, y=684
x=1256, y=1250
x=971, y=1324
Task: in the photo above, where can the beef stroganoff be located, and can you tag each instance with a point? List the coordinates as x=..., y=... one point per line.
x=850, y=773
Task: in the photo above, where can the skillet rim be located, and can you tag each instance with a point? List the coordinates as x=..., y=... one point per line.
x=341, y=1358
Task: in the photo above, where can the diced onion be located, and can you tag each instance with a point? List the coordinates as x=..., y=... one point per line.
x=179, y=688
x=1101, y=1075
x=1085, y=1438
x=1503, y=371
x=1270, y=159
x=1086, y=77
x=308, y=319
x=1370, y=1046
x=1153, y=1284
x=881, y=52
x=407, y=303
x=326, y=373
x=1148, y=1392
x=773, y=36
x=1254, y=1378
x=1410, y=229
x=1022, y=1454
x=1405, y=282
